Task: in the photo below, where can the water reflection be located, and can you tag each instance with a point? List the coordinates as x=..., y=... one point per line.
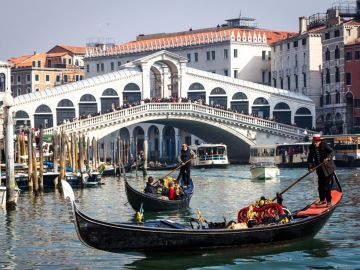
x=250, y=257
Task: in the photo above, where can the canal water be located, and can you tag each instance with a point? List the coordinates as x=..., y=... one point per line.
x=40, y=235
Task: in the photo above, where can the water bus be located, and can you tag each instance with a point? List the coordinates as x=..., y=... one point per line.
x=210, y=156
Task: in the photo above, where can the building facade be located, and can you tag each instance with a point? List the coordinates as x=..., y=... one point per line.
x=352, y=80
x=237, y=49
x=41, y=71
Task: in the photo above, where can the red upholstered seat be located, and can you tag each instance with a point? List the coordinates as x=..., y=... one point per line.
x=316, y=210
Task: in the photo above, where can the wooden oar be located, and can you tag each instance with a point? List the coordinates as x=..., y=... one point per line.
x=163, y=177
x=297, y=181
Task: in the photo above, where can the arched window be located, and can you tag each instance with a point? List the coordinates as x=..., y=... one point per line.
x=337, y=52
x=239, y=95
x=131, y=87
x=327, y=76
x=196, y=86
x=337, y=97
x=2, y=82
x=43, y=109
x=337, y=74
x=328, y=98
x=110, y=92
x=282, y=106
x=87, y=98
x=327, y=54
x=218, y=91
x=261, y=101
x=65, y=103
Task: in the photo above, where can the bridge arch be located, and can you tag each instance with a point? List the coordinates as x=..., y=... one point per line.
x=196, y=91
x=109, y=100
x=303, y=118
x=87, y=105
x=138, y=135
x=43, y=117
x=261, y=107
x=65, y=110
x=153, y=135
x=282, y=113
x=22, y=120
x=218, y=96
x=240, y=103
x=169, y=143
x=131, y=93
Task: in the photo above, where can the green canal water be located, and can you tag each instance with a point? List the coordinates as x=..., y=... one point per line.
x=40, y=234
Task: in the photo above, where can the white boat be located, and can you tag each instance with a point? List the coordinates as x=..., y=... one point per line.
x=210, y=156
x=262, y=160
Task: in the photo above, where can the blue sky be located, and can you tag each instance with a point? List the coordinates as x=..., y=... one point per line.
x=38, y=25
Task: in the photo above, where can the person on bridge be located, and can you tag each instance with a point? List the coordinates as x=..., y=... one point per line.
x=186, y=154
x=320, y=152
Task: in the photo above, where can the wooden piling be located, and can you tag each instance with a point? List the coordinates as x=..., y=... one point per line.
x=34, y=164
x=41, y=159
x=145, y=161
x=29, y=154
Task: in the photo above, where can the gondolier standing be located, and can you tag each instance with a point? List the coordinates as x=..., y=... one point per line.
x=186, y=154
x=320, y=152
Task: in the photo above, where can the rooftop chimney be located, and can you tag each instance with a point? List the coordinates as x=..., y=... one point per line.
x=302, y=25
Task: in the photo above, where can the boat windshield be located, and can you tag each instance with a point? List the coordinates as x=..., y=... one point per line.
x=262, y=152
x=211, y=152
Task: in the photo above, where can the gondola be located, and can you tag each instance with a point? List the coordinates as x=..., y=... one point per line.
x=150, y=202
x=168, y=235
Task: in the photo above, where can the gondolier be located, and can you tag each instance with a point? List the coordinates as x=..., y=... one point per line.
x=186, y=154
x=320, y=152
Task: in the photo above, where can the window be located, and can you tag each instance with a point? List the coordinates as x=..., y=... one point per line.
x=213, y=55
x=97, y=67
x=47, y=78
x=327, y=35
x=36, y=77
x=321, y=101
x=235, y=73
x=304, y=79
x=263, y=76
x=328, y=98
x=207, y=56
x=274, y=82
x=348, y=78
x=303, y=41
x=33, y=63
x=235, y=53
x=49, y=63
x=281, y=83
x=18, y=79
x=196, y=56
x=28, y=90
x=337, y=33
x=65, y=78
x=102, y=66
x=269, y=55
x=295, y=44
x=327, y=80
x=57, y=78
x=348, y=56
x=263, y=55
x=337, y=74
x=348, y=32
x=18, y=92
x=119, y=63
x=76, y=77
x=39, y=63
x=327, y=54
x=12, y=78
x=76, y=62
x=81, y=77
x=189, y=57
x=337, y=97
x=288, y=82
x=87, y=68
x=296, y=60
x=337, y=52
x=28, y=77
x=226, y=72
x=70, y=61
x=288, y=46
x=357, y=55
x=112, y=66
x=296, y=81
x=225, y=54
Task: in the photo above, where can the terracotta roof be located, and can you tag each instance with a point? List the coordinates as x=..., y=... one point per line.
x=26, y=60
x=74, y=49
x=56, y=54
x=188, y=38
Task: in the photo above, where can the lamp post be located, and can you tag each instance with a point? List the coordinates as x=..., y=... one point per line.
x=8, y=102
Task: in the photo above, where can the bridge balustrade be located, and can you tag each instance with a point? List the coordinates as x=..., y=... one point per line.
x=124, y=114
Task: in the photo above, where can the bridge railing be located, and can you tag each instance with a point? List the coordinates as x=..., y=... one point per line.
x=108, y=118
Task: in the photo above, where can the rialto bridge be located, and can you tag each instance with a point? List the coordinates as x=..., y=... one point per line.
x=162, y=75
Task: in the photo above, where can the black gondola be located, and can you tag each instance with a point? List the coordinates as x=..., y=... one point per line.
x=150, y=202
x=169, y=235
